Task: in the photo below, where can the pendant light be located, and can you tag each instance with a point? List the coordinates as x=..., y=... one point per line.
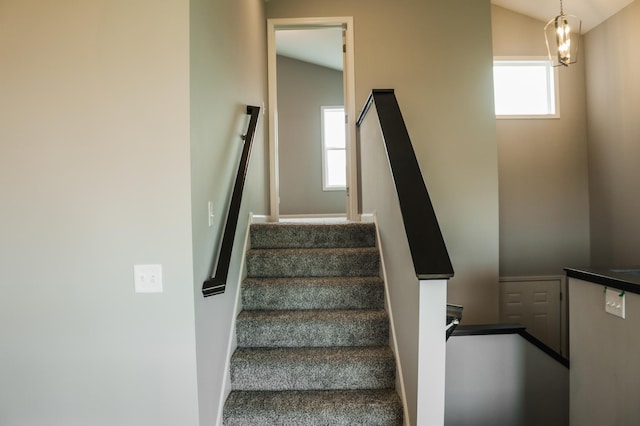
x=562, y=34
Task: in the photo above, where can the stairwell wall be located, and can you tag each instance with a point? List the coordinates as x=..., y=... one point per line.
x=94, y=178
x=613, y=105
x=504, y=380
x=228, y=72
x=445, y=91
x=544, y=185
x=302, y=89
x=379, y=197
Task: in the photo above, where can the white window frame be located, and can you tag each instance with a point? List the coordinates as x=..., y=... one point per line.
x=325, y=161
x=553, y=93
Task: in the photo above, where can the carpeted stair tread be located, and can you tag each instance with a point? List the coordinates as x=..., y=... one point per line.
x=313, y=335
x=313, y=368
x=312, y=328
x=294, y=293
x=318, y=262
x=314, y=408
x=281, y=235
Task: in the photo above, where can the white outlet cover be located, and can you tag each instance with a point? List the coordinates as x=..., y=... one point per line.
x=614, y=302
x=147, y=278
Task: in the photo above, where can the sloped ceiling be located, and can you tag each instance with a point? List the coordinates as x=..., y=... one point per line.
x=323, y=46
x=320, y=46
x=591, y=12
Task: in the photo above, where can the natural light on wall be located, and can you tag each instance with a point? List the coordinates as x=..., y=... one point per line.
x=334, y=157
x=525, y=88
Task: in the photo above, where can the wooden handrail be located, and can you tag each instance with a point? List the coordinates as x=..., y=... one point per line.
x=217, y=283
x=428, y=250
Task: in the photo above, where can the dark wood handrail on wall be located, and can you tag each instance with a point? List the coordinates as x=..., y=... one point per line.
x=217, y=283
x=428, y=250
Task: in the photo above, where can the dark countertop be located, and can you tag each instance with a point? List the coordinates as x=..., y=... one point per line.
x=623, y=278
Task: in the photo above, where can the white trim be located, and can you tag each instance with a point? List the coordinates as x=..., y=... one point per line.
x=349, y=105
x=232, y=343
x=349, y=88
x=274, y=183
x=368, y=218
x=432, y=352
x=325, y=162
x=313, y=216
x=259, y=218
x=393, y=341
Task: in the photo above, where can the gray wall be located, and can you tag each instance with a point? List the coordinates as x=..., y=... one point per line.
x=605, y=376
x=379, y=195
x=399, y=45
x=613, y=105
x=94, y=178
x=544, y=214
x=228, y=72
x=504, y=380
x=302, y=89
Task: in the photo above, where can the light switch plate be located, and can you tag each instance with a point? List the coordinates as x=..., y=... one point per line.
x=614, y=302
x=210, y=212
x=148, y=278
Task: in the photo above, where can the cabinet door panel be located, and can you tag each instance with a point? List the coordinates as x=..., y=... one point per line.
x=534, y=304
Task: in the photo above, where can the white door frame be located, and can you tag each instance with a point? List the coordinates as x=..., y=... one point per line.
x=349, y=106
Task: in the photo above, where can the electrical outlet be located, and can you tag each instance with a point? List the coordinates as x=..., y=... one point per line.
x=148, y=278
x=614, y=302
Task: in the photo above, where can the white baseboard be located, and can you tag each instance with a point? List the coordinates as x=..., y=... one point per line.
x=371, y=218
x=232, y=343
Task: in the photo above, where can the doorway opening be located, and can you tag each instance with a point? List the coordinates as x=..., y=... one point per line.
x=311, y=119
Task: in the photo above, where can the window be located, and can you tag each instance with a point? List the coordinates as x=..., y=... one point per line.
x=334, y=154
x=525, y=88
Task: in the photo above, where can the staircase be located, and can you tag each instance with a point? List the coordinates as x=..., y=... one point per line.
x=313, y=338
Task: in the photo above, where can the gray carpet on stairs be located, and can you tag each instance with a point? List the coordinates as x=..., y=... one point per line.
x=314, y=408
x=313, y=336
x=313, y=262
x=322, y=368
x=293, y=293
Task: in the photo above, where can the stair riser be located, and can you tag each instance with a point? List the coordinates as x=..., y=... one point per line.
x=367, y=295
x=377, y=374
x=328, y=417
x=340, y=408
x=311, y=333
x=301, y=264
x=317, y=236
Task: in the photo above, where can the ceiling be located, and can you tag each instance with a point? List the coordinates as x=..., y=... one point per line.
x=591, y=12
x=322, y=46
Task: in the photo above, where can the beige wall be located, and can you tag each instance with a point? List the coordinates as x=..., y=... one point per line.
x=399, y=46
x=544, y=213
x=439, y=85
x=503, y=379
x=613, y=105
x=302, y=89
x=94, y=178
x=228, y=72
x=604, y=374
x=378, y=194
